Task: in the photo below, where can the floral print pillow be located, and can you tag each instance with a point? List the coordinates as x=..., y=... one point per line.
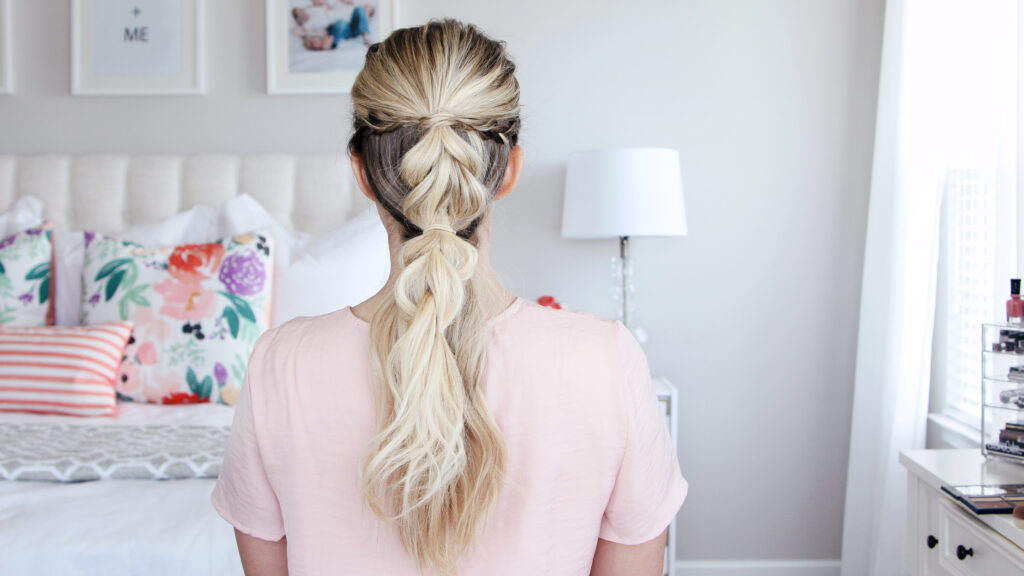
x=26, y=289
x=197, y=310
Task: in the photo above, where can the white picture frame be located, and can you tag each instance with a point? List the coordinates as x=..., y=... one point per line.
x=6, y=60
x=175, y=66
x=292, y=68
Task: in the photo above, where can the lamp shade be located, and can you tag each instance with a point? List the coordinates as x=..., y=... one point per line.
x=623, y=192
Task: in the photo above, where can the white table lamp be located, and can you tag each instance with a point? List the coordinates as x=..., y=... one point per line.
x=623, y=192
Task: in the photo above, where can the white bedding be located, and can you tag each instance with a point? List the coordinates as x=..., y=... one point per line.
x=117, y=527
x=114, y=528
x=136, y=414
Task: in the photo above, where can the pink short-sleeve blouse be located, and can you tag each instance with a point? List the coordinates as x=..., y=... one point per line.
x=589, y=454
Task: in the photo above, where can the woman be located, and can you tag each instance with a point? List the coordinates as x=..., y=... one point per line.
x=445, y=426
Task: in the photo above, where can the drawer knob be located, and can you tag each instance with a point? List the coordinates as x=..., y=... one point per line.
x=962, y=553
x=932, y=541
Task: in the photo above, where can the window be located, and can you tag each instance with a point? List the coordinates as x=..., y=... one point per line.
x=979, y=227
x=970, y=252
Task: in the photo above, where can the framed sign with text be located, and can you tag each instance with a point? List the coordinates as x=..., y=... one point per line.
x=132, y=47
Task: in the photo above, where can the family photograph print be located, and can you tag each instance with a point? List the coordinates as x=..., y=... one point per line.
x=318, y=46
x=330, y=35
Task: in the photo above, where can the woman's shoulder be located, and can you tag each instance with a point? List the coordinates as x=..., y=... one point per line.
x=576, y=328
x=577, y=352
x=305, y=334
x=567, y=318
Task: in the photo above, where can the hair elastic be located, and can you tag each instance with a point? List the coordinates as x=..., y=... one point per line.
x=437, y=120
x=441, y=227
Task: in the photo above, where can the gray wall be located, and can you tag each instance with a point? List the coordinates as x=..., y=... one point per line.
x=753, y=316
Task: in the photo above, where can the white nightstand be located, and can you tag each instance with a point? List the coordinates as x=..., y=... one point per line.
x=669, y=398
x=944, y=538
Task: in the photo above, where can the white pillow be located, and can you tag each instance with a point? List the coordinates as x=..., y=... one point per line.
x=244, y=214
x=338, y=269
x=26, y=212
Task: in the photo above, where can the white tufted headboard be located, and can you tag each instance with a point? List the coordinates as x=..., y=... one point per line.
x=110, y=192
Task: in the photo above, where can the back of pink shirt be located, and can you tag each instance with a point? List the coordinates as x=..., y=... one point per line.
x=589, y=454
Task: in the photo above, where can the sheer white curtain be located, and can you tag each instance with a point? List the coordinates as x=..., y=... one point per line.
x=934, y=117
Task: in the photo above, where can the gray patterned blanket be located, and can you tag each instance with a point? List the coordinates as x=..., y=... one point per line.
x=76, y=453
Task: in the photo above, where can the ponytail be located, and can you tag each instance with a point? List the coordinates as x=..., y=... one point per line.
x=442, y=100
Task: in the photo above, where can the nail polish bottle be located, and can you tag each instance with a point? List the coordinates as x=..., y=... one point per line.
x=1015, y=306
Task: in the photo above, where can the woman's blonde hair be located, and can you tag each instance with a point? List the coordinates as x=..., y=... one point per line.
x=436, y=113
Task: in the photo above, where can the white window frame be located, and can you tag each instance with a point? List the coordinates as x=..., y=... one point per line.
x=946, y=427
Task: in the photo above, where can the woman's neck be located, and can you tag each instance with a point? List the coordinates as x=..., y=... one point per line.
x=493, y=297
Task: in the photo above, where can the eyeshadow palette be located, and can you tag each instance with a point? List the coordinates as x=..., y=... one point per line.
x=988, y=498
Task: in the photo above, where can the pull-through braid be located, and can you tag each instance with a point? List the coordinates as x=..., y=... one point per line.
x=436, y=113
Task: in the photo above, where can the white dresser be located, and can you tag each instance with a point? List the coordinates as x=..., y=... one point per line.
x=944, y=538
x=669, y=398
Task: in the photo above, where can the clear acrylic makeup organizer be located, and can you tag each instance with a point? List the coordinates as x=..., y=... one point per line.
x=1002, y=396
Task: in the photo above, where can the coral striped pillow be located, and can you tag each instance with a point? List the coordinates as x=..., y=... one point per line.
x=62, y=369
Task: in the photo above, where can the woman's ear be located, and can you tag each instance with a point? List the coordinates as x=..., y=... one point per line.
x=512, y=172
x=360, y=173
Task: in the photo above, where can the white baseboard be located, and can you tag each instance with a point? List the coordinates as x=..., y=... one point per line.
x=756, y=567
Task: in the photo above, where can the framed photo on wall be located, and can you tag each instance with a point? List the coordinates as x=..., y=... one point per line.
x=133, y=47
x=318, y=46
x=6, y=74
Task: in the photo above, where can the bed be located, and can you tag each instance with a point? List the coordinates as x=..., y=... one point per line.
x=145, y=526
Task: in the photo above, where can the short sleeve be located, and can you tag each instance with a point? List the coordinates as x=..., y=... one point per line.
x=649, y=488
x=243, y=495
